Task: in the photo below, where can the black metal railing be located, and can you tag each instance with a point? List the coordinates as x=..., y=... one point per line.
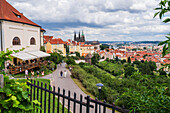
x=51, y=101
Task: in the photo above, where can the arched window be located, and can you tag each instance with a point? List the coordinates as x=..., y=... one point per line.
x=16, y=41
x=32, y=41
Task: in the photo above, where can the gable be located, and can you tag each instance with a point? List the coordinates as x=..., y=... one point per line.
x=9, y=13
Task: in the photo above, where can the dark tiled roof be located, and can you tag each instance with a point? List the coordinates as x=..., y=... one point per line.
x=92, y=42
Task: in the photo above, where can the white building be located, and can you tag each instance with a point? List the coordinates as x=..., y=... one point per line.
x=17, y=32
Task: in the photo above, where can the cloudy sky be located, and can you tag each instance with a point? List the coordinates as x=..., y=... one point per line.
x=104, y=20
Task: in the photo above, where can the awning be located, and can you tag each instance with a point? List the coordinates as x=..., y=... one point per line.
x=38, y=54
x=28, y=55
x=23, y=56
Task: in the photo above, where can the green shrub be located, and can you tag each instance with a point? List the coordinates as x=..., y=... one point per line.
x=16, y=98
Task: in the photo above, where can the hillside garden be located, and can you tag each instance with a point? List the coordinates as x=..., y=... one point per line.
x=137, y=92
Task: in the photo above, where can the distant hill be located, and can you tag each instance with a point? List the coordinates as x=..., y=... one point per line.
x=130, y=42
x=146, y=42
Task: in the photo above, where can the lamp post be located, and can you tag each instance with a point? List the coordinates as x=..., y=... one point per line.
x=99, y=85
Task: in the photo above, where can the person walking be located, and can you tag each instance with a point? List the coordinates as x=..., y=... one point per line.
x=61, y=73
x=42, y=73
x=38, y=74
x=32, y=73
x=26, y=73
x=65, y=73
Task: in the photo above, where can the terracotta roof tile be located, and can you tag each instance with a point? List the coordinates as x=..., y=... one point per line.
x=57, y=41
x=9, y=13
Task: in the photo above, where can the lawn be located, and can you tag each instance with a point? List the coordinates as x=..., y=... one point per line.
x=43, y=96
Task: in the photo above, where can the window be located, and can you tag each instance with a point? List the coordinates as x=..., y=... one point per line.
x=16, y=41
x=32, y=41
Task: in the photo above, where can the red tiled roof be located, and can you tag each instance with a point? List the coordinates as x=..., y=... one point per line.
x=84, y=54
x=9, y=13
x=48, y=51
x=86, y=45
x=57, y=41
x=42, y=29
x=167, y=61
x=47, y=38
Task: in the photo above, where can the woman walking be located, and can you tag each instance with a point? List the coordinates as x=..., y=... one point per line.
x=65, y=73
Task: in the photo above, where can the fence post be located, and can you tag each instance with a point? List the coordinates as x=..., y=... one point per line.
x=1, y=81
x=88, y=105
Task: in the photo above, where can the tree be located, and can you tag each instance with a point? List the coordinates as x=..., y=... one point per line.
x=95, y=58
x=129, y=70
x=162, y=10
x=129, y=60
x=144, y=68
x=77, y=54
x=67, y=49
x=4, y=56
x=104, y=46
x=145, y=55
x=55, y=57
x=42, y=48
x=152, y=65
x=117, y=59
x=70, y=60
x=162, y=72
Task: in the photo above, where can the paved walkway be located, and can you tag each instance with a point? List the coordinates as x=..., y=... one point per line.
x=68, y=84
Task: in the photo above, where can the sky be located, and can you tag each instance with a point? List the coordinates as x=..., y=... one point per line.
x=103, y=20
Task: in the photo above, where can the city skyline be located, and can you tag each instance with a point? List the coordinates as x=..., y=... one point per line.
x=104, y=20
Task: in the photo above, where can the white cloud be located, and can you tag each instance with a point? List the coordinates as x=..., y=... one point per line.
x=119, y=19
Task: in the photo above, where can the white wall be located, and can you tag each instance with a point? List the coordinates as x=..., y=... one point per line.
x=24, y=32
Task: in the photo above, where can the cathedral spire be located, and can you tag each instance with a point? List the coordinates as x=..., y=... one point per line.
x=75, y=36
x=79, y=35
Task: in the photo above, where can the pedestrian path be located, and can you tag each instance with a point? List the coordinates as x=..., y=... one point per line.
x=68, y=84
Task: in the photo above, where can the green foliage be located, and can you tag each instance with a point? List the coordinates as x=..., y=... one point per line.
x=55, y=57
x=42, y=48
x=70, y=60
x=95, y=58
x=67, y=49
x=104, y=46
x=115, y=69
x=162, y=72
x=145, y=67
x=129, y=70
x=4, y=56
x=117, y=59
x=16, y=98
x=162, y=10
x=143, y=93
x=129, y=60
x=77, y=54
x=145, y=55
x=52, y=65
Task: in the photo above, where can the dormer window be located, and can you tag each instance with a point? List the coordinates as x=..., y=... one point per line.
x=17, y=15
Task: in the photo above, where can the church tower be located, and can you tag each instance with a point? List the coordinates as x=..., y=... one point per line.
x=79, y=38
x=75, y=36
x=82, y=37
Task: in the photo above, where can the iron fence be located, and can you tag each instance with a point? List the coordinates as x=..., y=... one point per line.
x=51, y=100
